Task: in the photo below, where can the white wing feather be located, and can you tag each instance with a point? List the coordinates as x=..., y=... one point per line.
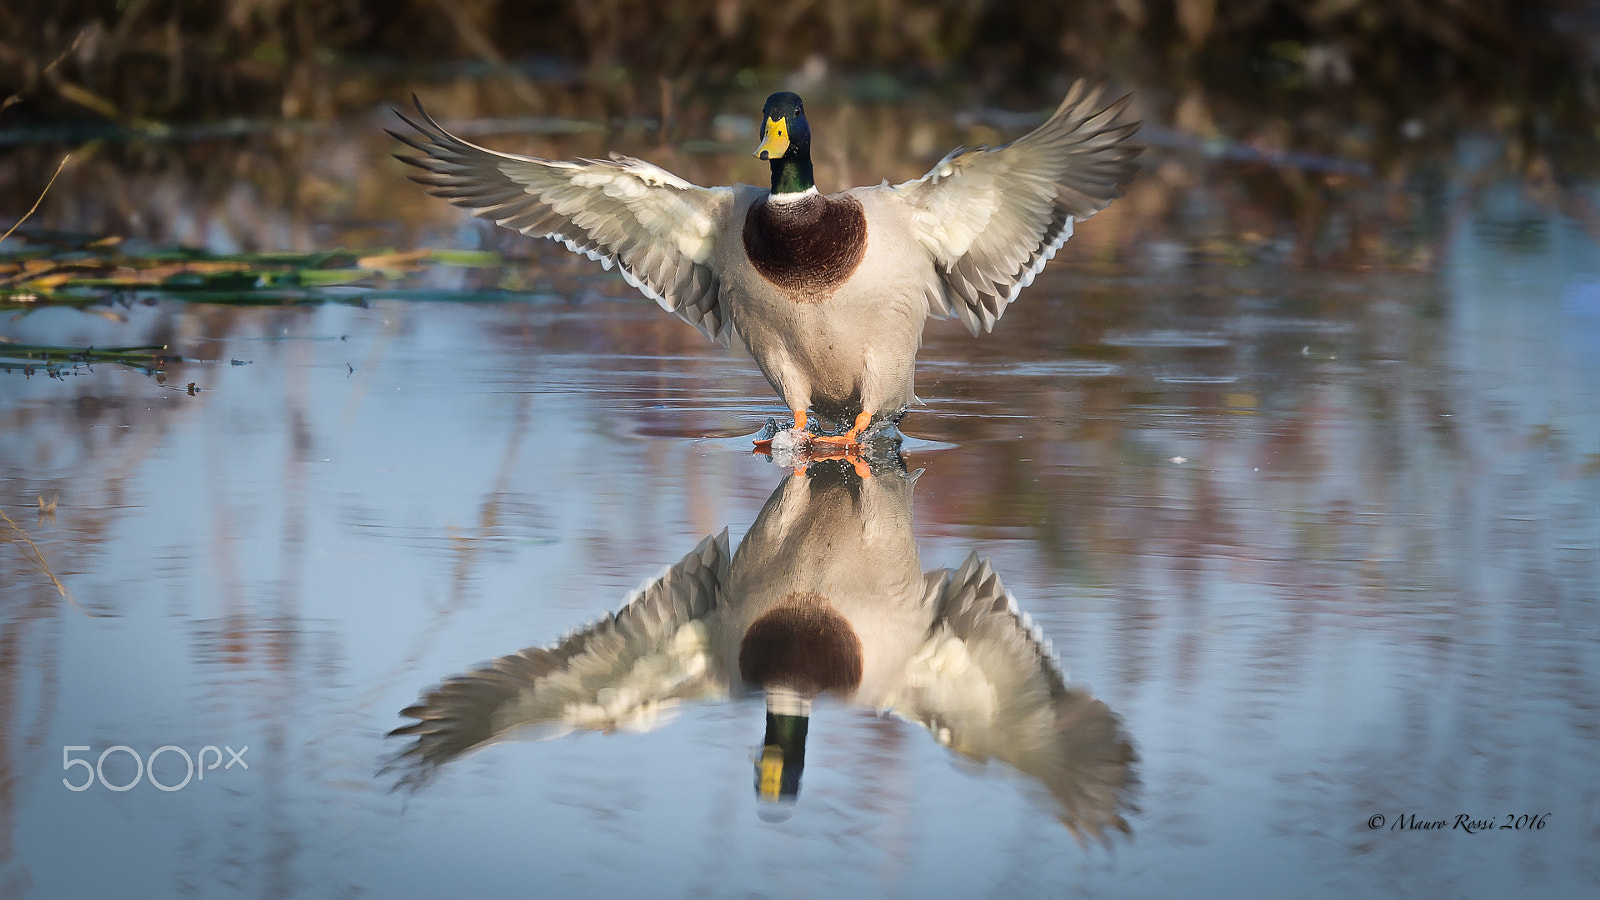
x=992, y=218
x=659, y=230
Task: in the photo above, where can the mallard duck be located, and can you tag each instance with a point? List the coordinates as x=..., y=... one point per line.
x=827, y=292
x=826, y=595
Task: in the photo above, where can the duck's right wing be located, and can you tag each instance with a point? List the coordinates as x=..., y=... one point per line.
x=991, y=218
x=658, y=229
x=984, y=683
x=622, y=672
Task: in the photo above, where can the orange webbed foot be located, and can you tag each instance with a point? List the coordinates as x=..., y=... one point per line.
x=851, y=438
x=805, y=447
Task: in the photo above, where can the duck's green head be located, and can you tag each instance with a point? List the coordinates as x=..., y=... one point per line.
x=786, y=143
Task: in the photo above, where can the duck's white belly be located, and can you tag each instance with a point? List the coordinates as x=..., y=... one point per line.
x=853, y=345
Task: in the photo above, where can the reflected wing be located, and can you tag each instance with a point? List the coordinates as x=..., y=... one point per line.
x=622, y=672
x=984, y=683
x=993, y=218
x=659, y=229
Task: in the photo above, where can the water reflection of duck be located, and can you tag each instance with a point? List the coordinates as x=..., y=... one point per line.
x=829, y=293
x=825, y=595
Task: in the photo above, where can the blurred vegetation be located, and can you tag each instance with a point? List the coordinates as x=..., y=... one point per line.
x=142, y=61
x=1306, y=131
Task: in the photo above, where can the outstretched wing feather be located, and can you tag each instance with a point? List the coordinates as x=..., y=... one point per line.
x=986, y=684
x=658, y=229
x=991, y=218
x=619, y=672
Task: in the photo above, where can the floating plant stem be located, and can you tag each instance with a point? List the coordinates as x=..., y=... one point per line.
x=150, y=357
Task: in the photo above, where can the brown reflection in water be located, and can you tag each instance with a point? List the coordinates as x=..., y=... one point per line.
x=471, y=548
x=38, y=565
x=86, y=445
x=29, y=675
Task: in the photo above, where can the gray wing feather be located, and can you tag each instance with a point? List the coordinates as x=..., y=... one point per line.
x=619, y=672
x=992, y=218
x=658, y=229
x=985, y=684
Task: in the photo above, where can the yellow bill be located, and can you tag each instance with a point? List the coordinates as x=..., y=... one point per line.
x=774, y=140
x=771, y=784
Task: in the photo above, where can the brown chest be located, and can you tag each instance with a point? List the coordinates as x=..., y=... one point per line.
x=808, y=247
x=802, y=644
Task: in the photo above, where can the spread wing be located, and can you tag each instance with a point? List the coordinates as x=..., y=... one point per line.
x=622, y=672
x=993, y=218
x=658, y=229
x=984, y=683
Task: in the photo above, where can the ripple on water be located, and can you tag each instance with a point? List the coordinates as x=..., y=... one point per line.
x=1180, y=378
x=1062, y=368
x=1069, y=368
x=1166, y=338
x=1259, y=324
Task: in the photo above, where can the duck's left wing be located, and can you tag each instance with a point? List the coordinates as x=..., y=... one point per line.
x=658, y=229
x=984, y=683
x=991, y=218
x=622, y=672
